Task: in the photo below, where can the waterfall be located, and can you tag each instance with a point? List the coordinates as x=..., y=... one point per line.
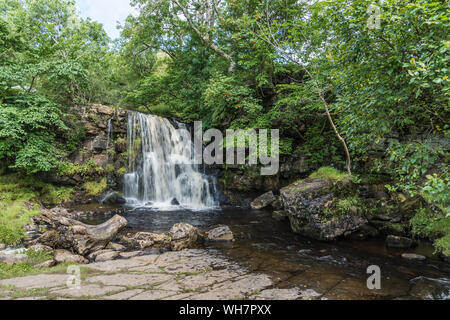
x=161, y=173
x=109, y=133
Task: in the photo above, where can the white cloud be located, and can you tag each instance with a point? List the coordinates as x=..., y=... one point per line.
x=107, y=12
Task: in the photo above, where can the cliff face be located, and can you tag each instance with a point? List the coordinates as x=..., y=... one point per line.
x=99, y=162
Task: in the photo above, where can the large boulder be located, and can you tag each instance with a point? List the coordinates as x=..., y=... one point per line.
x=398, y=242
x=143, y=240
x=263, y=201
x=220, y=233
x=311, y=207
x=61, y=256
x=183, y=236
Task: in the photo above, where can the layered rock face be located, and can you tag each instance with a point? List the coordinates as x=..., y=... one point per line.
x=100, y=157
x=311, y=209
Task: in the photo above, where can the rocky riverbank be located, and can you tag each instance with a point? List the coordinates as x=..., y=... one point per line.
x=154, y=275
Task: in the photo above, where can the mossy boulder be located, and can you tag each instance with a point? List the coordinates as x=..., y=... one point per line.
x=321, y=208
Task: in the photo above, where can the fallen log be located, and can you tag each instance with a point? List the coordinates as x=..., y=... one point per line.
x=67, y=233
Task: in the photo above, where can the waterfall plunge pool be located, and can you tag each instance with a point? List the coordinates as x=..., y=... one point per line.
x=335, y=270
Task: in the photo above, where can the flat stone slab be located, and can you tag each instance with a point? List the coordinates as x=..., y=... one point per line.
x=278, y=294
x=88, y=291
x=153, y=295
x=125, y=295
x=184, y=275
x=130, y=280
x=123, y=264
x=37, y=281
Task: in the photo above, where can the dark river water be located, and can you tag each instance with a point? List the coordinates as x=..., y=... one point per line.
x=336, y=270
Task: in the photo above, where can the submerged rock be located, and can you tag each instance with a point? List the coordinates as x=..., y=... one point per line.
x=412, y=256
x=279, y=215
x=183, y=236
x=220, y=233
x=310, y=207
x=114, y=199
x=398, y=242
x=430, y=289
x=263, y=201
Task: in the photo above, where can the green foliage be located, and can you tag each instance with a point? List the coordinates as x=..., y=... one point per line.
x=28, y=140
x=226, y=99
x=427, y=224
x=12, y=219
x=94, y=188
x=67, y=168
x=20, y=197
x=344, y=206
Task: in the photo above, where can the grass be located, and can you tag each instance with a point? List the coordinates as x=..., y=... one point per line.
x=25, y=268
x=329, y=173
x=20, y=198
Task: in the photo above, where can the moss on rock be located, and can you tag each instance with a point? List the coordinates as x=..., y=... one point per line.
x=94, y=188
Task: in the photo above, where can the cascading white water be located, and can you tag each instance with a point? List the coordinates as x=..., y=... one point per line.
x=160, y=167
x=109, y=134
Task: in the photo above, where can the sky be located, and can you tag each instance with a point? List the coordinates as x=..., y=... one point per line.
x=107, y=12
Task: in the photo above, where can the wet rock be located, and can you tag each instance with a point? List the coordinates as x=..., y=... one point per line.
x=309, y=203
x=114, y=199
x=279, y=215
x=389, y=228
x=365, y=232
x=412, y=256
x=61, y=256
x=183, y=236
x=2, y=246
x=174, y=202
x=263, y=201
x=220, y=233
x=430, y=289
x=145, y=240
x=398, y=242
x=445, y=257
x=99, y=144
x=309, y=294
x=11, y=259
